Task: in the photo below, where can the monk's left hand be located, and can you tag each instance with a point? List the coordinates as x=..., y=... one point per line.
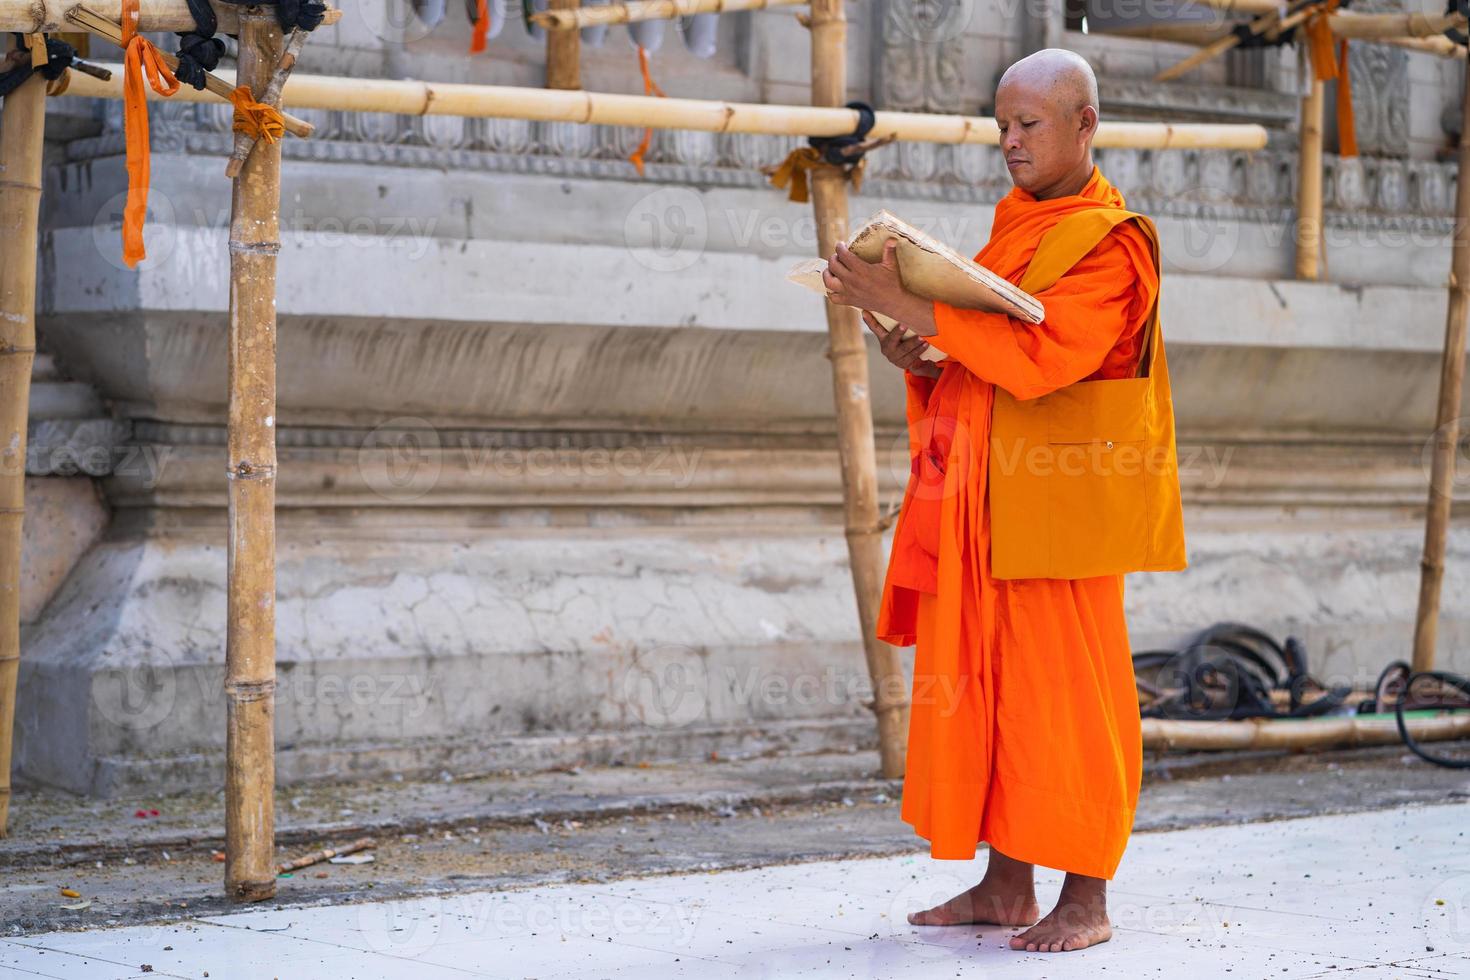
x=852, y=281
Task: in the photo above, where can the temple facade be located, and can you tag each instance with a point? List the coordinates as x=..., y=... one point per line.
x=558, y=478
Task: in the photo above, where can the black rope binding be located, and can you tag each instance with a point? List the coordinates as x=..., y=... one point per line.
x=59, y=56
x=1457, y=7
x=843, y=150
x=1250, y=40
x=291, y=14
x=1288, y=36
x=199, y=49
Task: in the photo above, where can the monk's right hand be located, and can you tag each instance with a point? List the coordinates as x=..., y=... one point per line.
x=905, y=353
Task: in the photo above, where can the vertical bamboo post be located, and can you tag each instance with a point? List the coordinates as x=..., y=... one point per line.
x=250, y=669
x=1447, y=419
x=1309, y=182
x=22, y=139
x=849, y=355
x=564, y=52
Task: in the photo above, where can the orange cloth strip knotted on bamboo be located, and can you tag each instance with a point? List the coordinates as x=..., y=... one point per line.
x=649, y=87
x=482, y=27
x=140, y=56
x=256, y=119
x=1330, y=61
x=1024, y=729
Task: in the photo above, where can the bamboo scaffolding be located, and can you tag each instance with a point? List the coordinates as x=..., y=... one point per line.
x=22, y=137
x=250, y=669
x=1306, y=733
x=848, y=353
x=1268, y=25
x=49, y=16
x=1309, y=182
x=1441, y=46
x=627, y=13
x=244, y=142
x=97, y=23
x=564, y=51
x=416, y=98
x=1385, y=28
x=1447, y=417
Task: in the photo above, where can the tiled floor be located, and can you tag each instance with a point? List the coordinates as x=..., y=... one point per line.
x=1386, y=894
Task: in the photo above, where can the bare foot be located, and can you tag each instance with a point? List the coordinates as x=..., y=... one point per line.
x=1004, y=897
x=1079, y=920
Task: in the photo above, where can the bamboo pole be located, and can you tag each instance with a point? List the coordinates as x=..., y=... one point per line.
x=567, y=19
x=1441, y=46
x=250, y=681
x=1306, y=733
x=49, y=16
x=22, y=139
x=564, y=51
x=1372, y=26
x=244, y=142
x=1447, y=418
x=416, y=98
x=1309, y=182
x=848, y=352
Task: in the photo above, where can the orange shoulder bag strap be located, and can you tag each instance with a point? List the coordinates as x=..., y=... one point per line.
x=1070, y=239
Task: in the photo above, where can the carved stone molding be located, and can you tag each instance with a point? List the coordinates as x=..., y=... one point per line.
x=1260, y=185
x=920, y=61
x=1380, y=87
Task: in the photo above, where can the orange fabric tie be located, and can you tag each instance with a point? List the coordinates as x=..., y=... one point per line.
x=649, y=86
x=482, y=26
x=256, y=119
x=140, y=56
x=1319, y=42
x=1329, y=62
x=1347, y=132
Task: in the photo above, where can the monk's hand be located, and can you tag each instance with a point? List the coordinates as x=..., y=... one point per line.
x=853, y=281
x=907, y=353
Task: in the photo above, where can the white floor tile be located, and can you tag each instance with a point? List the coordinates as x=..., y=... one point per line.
x=1384, y=894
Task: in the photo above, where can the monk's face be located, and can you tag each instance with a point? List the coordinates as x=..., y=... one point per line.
x=1045, y=136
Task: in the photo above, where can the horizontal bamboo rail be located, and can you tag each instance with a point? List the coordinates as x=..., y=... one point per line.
x=1306, y=733
x=1370, y=26
x=1441, y=46
x=49, y=16
x=636, y=10
x=415, y=98
x=625, y=13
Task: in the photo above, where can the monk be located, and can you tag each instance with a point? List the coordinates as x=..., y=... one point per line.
x=1024, y=730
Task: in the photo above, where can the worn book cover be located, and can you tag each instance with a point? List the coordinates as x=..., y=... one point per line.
x=929, y=268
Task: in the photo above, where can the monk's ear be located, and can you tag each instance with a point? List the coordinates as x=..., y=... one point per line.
x=1088, y=128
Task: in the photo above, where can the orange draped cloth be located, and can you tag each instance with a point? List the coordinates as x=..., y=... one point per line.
x=1024, y=730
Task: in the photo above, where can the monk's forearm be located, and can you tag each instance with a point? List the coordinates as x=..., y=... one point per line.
x=916, y=313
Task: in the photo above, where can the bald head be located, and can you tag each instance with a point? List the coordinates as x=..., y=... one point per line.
x=1046, y=108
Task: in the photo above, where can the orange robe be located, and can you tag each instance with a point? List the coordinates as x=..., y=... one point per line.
x=1024, y=729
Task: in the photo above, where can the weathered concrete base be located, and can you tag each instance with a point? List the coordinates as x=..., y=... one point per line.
x=461, y=645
